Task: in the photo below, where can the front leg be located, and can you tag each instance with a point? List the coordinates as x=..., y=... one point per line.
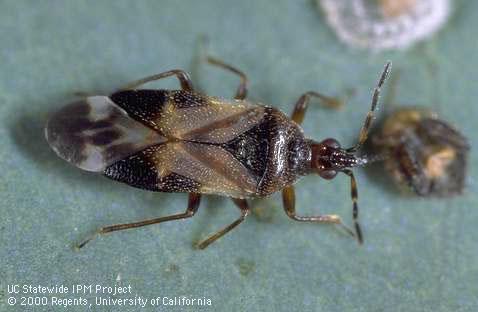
x=354, y=196
x=302, y=103
x=288, y=200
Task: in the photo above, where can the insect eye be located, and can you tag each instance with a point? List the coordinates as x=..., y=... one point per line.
x=331, y=143
x=328, y=174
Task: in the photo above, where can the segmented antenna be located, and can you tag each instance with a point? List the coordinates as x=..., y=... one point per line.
x=368, y=120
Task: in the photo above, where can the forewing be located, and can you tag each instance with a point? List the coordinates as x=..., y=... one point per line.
x=185, y=167
x=94, y=133
x=184, y=115
x=217, y=122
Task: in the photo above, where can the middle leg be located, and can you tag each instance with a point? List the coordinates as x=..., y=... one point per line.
x=243, y=206
x=241, y=91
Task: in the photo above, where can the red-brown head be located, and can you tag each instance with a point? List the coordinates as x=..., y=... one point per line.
x=329, y=158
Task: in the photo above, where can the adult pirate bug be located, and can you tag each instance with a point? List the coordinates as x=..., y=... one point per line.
x=186, y=141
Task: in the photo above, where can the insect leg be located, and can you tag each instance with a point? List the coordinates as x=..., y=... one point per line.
x=302, y=103
x=288, y=200
x=368, y=120
x=193, y=205
x=182, y=76
x=241, y=91
x=243, y=205
x=354, y=194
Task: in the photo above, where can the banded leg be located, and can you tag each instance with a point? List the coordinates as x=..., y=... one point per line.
x=354, y=195
x=243, y=206
x=288, y=200
x=182, y=76
x=241, y=91
x=302, y=103
x=368, y=120
x=193, y=205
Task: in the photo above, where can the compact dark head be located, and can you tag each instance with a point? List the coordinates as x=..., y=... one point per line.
x=329, y=158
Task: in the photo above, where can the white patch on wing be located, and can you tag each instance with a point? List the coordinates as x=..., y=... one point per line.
x=95, y=160
x=101, y=107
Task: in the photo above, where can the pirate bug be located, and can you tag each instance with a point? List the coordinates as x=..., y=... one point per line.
x=186, y=141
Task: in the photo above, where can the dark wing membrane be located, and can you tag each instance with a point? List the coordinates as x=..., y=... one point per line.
x=190, y=116
x=439, y=132
x=94, y=133
x=185, y=167
x=144, y=106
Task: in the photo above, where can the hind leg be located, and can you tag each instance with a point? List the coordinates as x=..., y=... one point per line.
x=193, y=205
x=181, y=75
